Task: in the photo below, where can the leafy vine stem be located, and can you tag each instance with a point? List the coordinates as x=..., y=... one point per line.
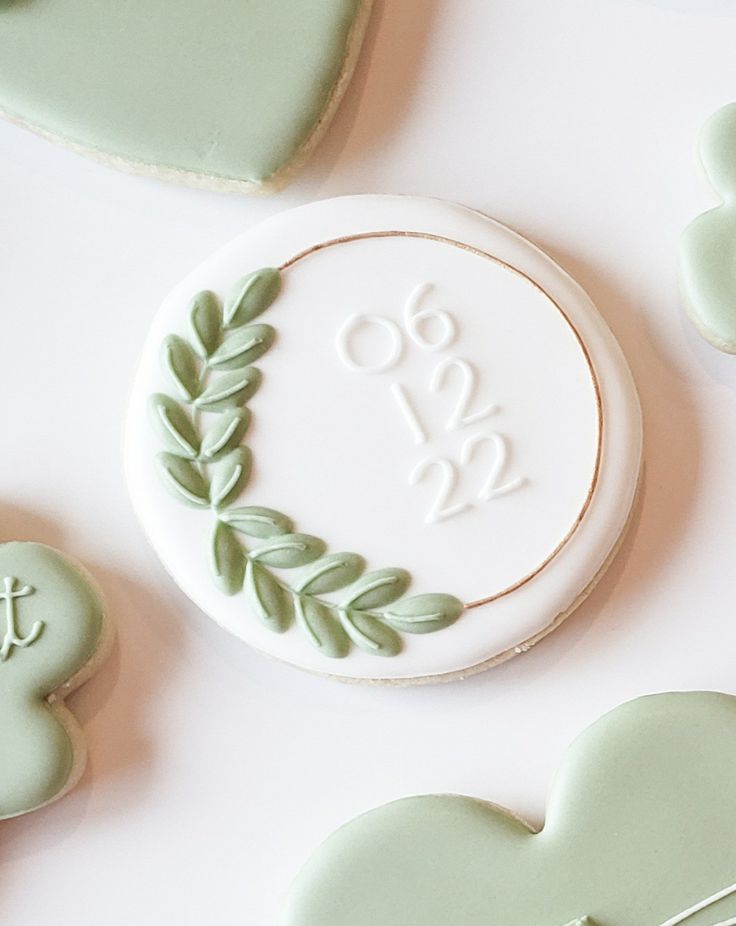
x=206, y=465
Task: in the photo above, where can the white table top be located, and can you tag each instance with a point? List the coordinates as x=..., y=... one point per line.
x=215, y=772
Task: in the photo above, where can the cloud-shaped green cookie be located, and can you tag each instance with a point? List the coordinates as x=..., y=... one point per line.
x=52, y=630
x=640, y=831
x=708, y=248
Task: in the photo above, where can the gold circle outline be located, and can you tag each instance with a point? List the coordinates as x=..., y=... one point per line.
x=478, y=252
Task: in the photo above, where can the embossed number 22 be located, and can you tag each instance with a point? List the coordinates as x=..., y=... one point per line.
x=441, y=507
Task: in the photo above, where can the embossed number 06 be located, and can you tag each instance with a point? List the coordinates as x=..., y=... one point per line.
x=418, y=326
x=416, y=321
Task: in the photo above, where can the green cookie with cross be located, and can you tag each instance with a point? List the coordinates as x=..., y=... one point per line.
x=640, y=831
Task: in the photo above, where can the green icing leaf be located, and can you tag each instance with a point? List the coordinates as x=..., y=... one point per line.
x=229, y=476
x=271, y=603
x=181, y=363
x=229, y=390
x=250, y=296
x=205, y=319
x=225, y=434
x=378, y=589
x=183, y=480
x=371, y=634
x=289, y=551
x=332, y=572
x=174, y=426
x=258, y=522
x=322, y=627
x=424, y=613
x=243, y=346
x=228, y=560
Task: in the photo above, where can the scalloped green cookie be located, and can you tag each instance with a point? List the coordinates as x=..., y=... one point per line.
x=231, y=94
x=52, y=634
x=640, y=831
x=708, y=249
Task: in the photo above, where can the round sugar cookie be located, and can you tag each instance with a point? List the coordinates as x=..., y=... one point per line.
x=53, y=635
x=639, y=830
x=383, y=438
x=230, y=95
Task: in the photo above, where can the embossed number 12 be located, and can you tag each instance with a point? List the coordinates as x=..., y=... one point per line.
x=415, y=318
x=448, y=369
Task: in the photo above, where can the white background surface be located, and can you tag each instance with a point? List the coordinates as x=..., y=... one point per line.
x=214, y=772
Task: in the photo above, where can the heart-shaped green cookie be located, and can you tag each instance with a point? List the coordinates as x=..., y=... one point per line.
x=52, y=632
x=226, y=94
x=640, y=831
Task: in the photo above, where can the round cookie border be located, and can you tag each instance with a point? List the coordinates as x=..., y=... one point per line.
x=499, y=262
x=544, y=603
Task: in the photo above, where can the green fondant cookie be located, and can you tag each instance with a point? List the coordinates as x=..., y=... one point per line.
x=225, y=94
x=640, y=831
x=708, y=251
x=52, y=633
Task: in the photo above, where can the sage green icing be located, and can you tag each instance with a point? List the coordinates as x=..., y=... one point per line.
x=423, y=613
x=183, y=480
x=204, y=465
x=229, y=390
x=230, y=89
x=242, y=347
x=229, y=476
x=378, y=589
x=181, y=362
x=174, y=426
x=254, y=521
x=270, y=601
x=228, y=562
x=321, y=625
x=205, y=319
x=55, y=619
x=225, y=434
x=331, y=573
x=289, y=551
x=708, y=247
x=251, y=296
x=640, y=829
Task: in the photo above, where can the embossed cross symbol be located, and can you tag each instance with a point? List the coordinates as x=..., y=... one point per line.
x=679, y=918
x=9, y=595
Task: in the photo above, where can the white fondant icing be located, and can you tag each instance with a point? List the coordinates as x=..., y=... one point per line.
x=408, y=411
x=461, y=415
x=703, y=905
x=11, y=639
x=415, y=318
x=441, y=507
x=329, y=452
x=388, y=359
x=492, y=488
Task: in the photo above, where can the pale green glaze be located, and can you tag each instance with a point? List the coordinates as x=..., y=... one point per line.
x=209, y=469
x=226, y=88
x=36, y=752
x=708, y=252
x=641, y=826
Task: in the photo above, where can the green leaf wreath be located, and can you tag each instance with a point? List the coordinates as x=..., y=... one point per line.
x=206, y=465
